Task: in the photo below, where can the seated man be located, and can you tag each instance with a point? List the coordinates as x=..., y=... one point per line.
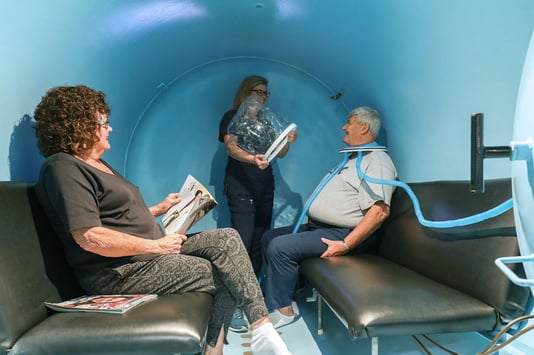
x=340, y=219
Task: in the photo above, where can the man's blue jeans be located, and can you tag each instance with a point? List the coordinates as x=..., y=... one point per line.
x=282, y=252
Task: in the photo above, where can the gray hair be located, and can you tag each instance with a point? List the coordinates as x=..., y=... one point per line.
x=365, y=114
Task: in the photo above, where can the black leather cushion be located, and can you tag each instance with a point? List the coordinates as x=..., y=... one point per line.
x=172, y=323
x=450, y=200
x=463, y=257
x=377, y=297
x=26, y=283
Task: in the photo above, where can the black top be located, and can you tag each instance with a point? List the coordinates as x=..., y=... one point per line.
x=225, y=122
x=76, y=195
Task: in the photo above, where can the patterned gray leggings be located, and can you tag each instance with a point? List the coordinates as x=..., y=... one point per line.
x=213, y=261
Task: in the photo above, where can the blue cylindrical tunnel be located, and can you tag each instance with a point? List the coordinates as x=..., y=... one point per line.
x=171, y=67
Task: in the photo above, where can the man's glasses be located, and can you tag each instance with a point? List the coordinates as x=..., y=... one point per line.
x=104, y=123
x=260, y=92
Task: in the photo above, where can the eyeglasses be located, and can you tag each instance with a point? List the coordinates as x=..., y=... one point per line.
x=104, y=123
x=261, y=92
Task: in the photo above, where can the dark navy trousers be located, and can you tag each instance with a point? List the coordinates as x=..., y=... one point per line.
x=251, y=210
x=282, y=252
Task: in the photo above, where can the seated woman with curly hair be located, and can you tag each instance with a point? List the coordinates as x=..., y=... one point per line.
x=113, y=240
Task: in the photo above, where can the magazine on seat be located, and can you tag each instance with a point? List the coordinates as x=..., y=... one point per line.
x=196, y=203
x=117, y=304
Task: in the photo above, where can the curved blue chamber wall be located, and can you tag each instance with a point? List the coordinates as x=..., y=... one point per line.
x=170, y=69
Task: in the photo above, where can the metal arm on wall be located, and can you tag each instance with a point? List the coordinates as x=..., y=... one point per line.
x=479, y=152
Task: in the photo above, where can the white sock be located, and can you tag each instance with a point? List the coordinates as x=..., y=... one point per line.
x=267, y=341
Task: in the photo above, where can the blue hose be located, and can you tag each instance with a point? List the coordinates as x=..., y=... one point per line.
x=318, y=189
x=495, y=211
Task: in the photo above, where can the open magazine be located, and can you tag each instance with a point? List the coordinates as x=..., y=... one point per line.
x=196, y=203
x=117, y=304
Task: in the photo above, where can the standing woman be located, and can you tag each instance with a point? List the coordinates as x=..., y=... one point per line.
x=248, y=184
x=249, y=179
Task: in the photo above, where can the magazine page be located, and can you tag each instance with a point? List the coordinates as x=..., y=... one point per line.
x=101, y=303
x=196, y=203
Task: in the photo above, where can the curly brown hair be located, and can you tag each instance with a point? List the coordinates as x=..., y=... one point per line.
x=66, y=119
x=246, y=86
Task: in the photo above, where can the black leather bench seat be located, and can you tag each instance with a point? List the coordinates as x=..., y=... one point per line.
x=384, y=298
x=175, y=321
x=425, y=280
x=33, y=270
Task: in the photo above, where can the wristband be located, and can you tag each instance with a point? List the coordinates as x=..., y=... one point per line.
x=346, y=245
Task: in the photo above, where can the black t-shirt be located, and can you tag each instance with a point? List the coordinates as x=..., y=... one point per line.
x=76, y=195
x=249, y=174
x=225, y=122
